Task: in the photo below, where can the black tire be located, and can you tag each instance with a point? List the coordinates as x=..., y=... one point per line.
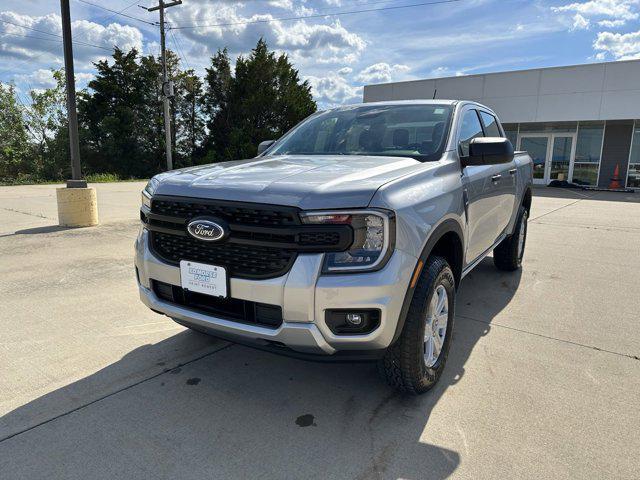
x=506, y=255
x=403, y=365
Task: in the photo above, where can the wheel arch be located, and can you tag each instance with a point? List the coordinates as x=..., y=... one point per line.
x=526, y=199
x=446, y=240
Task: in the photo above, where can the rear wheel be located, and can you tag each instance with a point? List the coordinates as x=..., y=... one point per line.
x=414, y=363
x=508, y=254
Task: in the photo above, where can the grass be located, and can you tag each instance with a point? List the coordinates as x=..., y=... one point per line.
x=102, y=178
x=90, y=178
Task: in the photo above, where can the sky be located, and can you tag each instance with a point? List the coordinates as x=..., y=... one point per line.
x=393, y=40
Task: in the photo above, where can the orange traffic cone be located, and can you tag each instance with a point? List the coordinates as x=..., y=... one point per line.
x=615, y=181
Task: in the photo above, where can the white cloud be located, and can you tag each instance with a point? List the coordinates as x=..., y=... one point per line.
x=39, y=79
x=299, y=8
x=619, y=11
x=333, y=89
x=622, y=46
x=381, y=72
x=345, y=71
x=286, y=4
x=223, y=24
x=440, y=72
x=43, y=78
x=17, y=42
x=611, y=23
x=580, y=23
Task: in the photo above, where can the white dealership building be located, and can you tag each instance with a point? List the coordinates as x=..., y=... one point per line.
x=579, y=123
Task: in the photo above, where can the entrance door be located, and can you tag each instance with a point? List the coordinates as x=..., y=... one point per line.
x=553, y=155
x=538, y=148
x=562, y=155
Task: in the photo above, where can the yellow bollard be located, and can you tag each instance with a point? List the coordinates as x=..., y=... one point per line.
x=77, y=207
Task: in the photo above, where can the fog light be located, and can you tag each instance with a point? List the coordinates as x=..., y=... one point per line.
x=349, y=322
x=354, y=319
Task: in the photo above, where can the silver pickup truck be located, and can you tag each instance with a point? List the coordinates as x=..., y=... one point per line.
x=346, y=239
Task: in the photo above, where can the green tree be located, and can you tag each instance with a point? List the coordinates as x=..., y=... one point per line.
x=263, y=100
x=46, y=119
x=188, y=126
x=15, y=152
x=216, y=106
x=121, y=117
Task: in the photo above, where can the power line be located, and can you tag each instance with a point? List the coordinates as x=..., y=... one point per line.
x=182, y=55
x=29, y=36
x=116, y=12
x=119, y=12
x=79, y=42
x=317, y=15
x=167, y=85
x=30, y=28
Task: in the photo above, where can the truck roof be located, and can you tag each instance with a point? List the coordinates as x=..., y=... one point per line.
x=403, y=102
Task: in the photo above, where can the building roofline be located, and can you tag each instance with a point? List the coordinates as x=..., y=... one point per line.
x=508, y=71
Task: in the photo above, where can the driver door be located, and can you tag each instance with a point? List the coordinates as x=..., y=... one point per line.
x=482, y=195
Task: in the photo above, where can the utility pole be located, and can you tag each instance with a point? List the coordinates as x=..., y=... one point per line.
x=74, y=146
x=167, y=86
x=77, y=203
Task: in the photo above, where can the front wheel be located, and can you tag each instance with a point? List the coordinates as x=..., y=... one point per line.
x=508, y=254
x=414, y=363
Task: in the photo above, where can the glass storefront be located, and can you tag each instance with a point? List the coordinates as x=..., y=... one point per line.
x=561, y=158
x=573, y=153
x=588, y=151
x=570, y=150
x=633, y=177
x=549, y=127
x=537, y=148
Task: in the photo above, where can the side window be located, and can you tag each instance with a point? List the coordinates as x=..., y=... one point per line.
x=491, y=128
x=469, y=130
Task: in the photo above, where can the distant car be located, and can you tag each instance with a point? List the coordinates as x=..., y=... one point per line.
x=344, y=240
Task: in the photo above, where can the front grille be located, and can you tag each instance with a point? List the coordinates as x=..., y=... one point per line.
x=263, y=240
x=231, y=212
x=243, y=311
x=239, y=260
x=319, y=238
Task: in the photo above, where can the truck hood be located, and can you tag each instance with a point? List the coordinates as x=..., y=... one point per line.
x=304, y=181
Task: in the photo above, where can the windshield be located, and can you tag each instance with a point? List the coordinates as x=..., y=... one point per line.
x=416, y=131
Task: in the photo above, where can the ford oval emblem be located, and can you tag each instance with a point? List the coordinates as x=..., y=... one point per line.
x=206, y=230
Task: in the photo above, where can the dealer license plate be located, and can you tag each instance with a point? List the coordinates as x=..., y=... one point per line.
x=203, y=278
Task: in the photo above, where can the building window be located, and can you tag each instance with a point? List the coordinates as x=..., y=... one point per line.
x=633, y=177
x=511, y=132
x=588, y=151
x=548, y=127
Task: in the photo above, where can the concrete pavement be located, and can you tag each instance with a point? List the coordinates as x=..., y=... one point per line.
x=542, y=380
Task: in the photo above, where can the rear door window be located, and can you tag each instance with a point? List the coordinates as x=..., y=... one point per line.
x=491, y=128
x=469, y=129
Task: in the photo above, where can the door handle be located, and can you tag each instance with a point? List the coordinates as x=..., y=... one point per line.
x=513, y=171
x=495, y=178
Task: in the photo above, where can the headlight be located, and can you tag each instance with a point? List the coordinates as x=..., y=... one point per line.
x=148, y=191
x=373, y=237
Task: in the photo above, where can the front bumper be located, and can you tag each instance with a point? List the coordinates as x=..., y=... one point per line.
x=304, y=295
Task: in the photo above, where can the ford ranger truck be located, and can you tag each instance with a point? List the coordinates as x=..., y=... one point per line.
x=346, y=239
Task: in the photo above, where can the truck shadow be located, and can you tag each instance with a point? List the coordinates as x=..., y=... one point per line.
x=243, y=413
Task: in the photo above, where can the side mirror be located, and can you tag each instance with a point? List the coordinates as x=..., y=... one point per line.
x=262, y=146
x=489, y=151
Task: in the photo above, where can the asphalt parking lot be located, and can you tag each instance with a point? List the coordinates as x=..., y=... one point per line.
x=543, y=380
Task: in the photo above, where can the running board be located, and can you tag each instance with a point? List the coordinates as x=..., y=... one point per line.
x=472, y=265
